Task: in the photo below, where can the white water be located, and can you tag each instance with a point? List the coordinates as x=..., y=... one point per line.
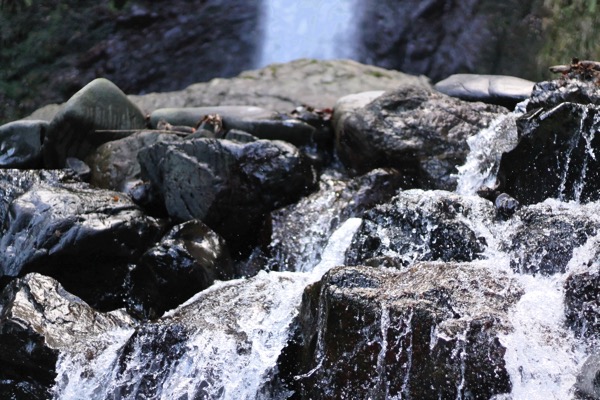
x=241, y=328
x=307, y=29
x=542, y=356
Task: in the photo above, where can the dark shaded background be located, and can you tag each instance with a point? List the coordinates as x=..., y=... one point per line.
x=49, y=49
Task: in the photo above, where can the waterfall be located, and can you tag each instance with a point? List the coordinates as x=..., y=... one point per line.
x=238, y=329
x=307, y=29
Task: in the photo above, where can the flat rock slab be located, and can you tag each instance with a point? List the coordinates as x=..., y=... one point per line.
x=282, y=87
x=493, y=89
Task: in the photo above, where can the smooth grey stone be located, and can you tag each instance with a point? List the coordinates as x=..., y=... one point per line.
x=21, y=143
x=98, y=113
x=494, y=89
x=191, y=116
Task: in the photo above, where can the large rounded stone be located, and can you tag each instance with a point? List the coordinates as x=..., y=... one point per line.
x=98, y=113
x=187, y=260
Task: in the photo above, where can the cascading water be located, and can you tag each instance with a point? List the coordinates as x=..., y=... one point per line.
x=307, y=29
x=543, y=357
x=225, y=340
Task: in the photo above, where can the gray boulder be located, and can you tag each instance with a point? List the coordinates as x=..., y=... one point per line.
x=98, y=113
x=503, y=90
x=378, y=333
x=229, y=186
x=114, y=164
x=21, y=144
x=420, y=132
x=282, y=87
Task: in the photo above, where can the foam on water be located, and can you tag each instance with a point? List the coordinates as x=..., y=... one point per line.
x=242, y=327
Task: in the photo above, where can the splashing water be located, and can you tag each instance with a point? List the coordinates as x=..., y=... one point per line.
x=233, y=334
x=486, y=148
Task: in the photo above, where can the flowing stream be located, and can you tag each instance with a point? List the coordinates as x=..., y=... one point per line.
x=227, y=339
x=307, y=29
x=543, y=357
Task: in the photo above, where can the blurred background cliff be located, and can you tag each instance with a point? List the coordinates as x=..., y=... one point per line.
x=49, y=49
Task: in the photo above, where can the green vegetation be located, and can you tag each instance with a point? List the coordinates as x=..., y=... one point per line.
x=40, y=37
x=570, y=30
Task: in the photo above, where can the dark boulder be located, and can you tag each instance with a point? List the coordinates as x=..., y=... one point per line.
x=419, y=132
x=188, y=259
x=555, y=156
x=421, y=225
x=231, y=187
x=98, y=113
x=542, y=237
x=549, y=94
x=38, y=321
x=82, y=237
x=300, y=231
x=424, y=333
x=21, y=144
x=582, y=303
x=502, y=90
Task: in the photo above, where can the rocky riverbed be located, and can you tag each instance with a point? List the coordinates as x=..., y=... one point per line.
x=316, y=229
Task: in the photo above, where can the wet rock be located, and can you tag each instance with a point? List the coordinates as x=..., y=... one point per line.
x=502, y=90
x=555, y=156
x=421, y=225
x=417, y=131
x=98, y=113
x=549, y=94
x=229, y=186
x=505, y=205
x=301, y=231
x=412, y=334
x=543, y=236
x=82, y=237
x=21, y=144
x=588, y=380
x=224, y=327
x=38, y=320
x=582, y=303
x=114, y=164
x=188, y=259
